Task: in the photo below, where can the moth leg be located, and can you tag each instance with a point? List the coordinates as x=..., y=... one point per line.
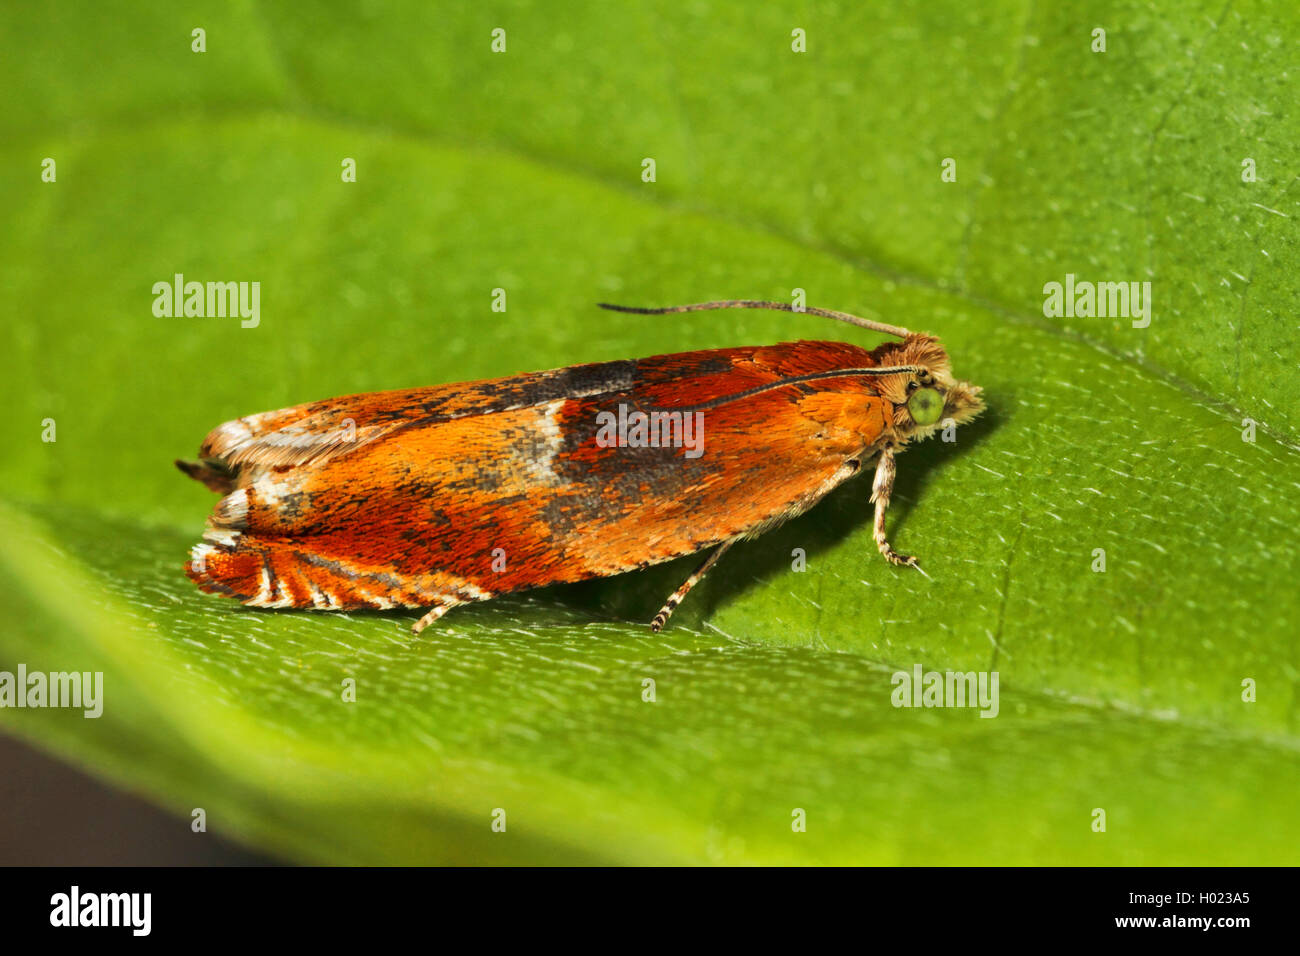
x=881, y=489
x=675, y=598
x=435, y=612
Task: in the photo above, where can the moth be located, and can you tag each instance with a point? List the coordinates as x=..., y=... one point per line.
x=434, y=497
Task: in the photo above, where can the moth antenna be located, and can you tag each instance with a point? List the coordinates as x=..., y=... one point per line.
x=857, y=320
x=799, y=379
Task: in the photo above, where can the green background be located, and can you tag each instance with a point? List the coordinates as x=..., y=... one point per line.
x=776, y=170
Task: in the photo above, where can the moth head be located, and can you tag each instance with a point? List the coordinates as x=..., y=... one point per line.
x=928, y=399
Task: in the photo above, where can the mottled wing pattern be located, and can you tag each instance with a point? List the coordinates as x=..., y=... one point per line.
x=439, y=496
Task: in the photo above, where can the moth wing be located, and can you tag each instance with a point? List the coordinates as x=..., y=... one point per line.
x=492, y=487
x=318, y=431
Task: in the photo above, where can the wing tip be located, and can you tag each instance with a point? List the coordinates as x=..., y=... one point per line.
x=214, y=474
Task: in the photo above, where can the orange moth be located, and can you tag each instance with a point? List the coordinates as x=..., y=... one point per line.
x=433, y=497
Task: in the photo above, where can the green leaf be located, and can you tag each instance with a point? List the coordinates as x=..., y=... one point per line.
x=1120, y=690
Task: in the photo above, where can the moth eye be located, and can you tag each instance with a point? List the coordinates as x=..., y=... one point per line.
x=926, y=405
